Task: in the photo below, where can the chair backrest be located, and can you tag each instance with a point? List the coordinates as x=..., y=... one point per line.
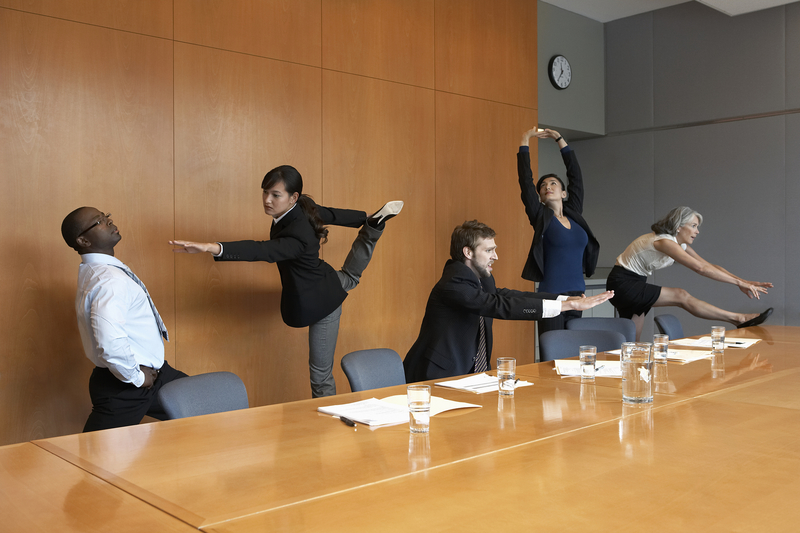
x=622, y=325
x=204, y=394
x=669, y=325
x=373, y=369
x=562, y=343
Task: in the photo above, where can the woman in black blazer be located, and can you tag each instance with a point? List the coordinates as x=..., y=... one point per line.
x=564, y=247
x=313, y=291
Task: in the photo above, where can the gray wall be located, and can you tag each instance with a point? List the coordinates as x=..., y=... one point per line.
x=581, y=105
x=701, y=110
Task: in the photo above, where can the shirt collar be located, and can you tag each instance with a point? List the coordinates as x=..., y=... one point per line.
x=276, y=220
x=102, y=259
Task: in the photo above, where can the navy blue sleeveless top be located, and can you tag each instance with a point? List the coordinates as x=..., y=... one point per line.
x=563, y=257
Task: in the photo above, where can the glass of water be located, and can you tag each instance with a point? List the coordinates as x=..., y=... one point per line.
x=660, y=347
x=717, y=339
x=506, y=375
x=419, y=408
x=588, y=357
x=637, y=371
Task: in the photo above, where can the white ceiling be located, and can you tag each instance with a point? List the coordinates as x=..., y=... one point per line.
x=608, y=10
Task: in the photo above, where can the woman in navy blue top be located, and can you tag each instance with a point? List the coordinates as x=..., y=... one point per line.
x=564, y=248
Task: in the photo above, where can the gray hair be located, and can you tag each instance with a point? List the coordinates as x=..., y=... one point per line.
x=680, y=216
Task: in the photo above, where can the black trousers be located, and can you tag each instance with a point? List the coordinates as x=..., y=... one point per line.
x=116, y=404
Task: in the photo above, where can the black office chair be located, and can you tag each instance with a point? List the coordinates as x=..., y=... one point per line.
x=563, y=343
x=204, y=394
x=669, y=325
x=373, y=369
x=622, y=325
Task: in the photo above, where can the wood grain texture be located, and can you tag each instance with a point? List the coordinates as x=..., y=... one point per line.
x=89, y=109
x=42, y=492
x=87, y=120
x=487, y=50
x=237, y=117
x=277, y=29
x=476, y=178
x=149, y=17
x=292, y=468
x=378, y=145
x=719, y=465
x=386, y=39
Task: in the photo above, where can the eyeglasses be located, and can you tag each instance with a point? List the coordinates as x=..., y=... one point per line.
x=102, y=219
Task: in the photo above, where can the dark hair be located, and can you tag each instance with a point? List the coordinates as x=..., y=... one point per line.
x=539, y=183
x=680, y=216
x=468, y=234
x=293, y=183
x=70, y=229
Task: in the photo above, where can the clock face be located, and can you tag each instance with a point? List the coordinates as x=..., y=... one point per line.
x=560, y=72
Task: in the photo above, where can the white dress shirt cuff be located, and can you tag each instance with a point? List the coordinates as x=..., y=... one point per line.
x=551, y=308
x=221, y=249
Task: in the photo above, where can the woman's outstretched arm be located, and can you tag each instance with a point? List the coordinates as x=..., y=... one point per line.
x=692, y=260
x=189, y=247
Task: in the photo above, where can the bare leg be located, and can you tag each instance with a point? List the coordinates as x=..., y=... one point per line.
x=699, y=308
x=638, y=320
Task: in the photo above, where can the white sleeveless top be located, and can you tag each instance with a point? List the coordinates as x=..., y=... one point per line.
x=641, y=256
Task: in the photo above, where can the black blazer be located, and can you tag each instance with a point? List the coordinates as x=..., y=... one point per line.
x=540, y=216
x=448, y=338
x=311, y=287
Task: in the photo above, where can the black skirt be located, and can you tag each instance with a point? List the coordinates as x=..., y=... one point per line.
x=632, y=294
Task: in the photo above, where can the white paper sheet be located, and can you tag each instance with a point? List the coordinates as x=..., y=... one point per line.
x=602, y=369
x=372, y=412
x=705, y=342
x=478, y=383
x=438, y=405
x=388, y=411
x=687, y=356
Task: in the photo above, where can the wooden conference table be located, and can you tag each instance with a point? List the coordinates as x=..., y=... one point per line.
x=716, y=451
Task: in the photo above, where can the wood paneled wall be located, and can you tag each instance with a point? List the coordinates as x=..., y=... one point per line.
x=168, y=114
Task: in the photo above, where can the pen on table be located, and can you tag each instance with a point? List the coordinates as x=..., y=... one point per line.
x=599, y=367
x=347, y=421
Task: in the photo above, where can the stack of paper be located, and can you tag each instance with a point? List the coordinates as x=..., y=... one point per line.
x=687, y=356
x=602, y=369
x=372, y=412
x=705, y=342
x=389, y=411
x=438, y=405
x=478, y=383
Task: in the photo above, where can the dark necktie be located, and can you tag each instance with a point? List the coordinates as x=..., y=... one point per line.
x=161, y=327
x=480, y=357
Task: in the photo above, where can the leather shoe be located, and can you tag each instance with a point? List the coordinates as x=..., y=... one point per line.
x=760, y=319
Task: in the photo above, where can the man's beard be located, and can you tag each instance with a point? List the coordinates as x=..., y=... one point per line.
x=483, y=272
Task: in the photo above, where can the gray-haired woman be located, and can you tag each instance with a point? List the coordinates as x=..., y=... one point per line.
x=669, y=242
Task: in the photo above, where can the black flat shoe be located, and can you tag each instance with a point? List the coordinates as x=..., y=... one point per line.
x=760, y=319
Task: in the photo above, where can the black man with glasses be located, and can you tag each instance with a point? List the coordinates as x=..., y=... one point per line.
x=119, y=324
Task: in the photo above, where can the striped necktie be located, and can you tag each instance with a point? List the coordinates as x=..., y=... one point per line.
x=161, y=327
x=480, y=357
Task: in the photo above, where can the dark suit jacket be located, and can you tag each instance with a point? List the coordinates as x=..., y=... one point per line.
x=540, y=215
x=311, y=287
x=448, y=338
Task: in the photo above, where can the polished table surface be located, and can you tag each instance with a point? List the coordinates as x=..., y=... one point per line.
x=41, y=492
x=711, y=452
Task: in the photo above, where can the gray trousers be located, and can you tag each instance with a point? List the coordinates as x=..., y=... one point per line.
x=322, y=335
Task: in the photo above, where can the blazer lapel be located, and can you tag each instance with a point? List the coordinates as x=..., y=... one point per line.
x=290, y=217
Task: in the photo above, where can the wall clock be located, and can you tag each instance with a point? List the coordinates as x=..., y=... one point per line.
x=560, y=72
